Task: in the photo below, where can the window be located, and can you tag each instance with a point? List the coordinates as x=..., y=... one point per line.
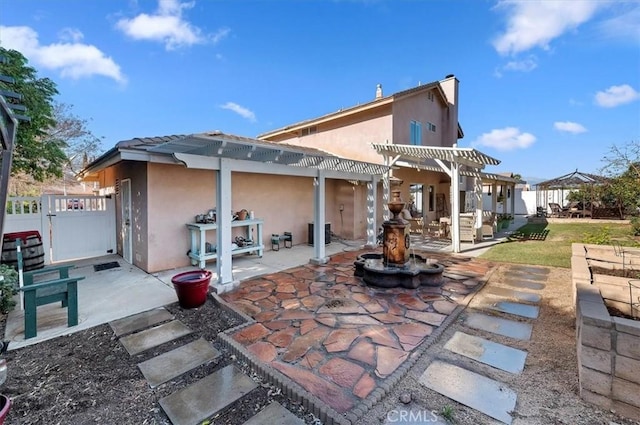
x=431, y=127
x=415, y=200
x=430, y=96
x=416, y=133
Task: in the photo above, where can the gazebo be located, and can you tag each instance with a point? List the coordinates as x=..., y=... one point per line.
x=548, y=191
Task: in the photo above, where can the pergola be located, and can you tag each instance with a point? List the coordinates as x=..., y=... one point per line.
x=453, y=161
x=225, y=154
x=570, y=181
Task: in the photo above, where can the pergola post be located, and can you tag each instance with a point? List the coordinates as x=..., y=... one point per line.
x=224, y=266
x=372, y=212
x=319, y=251
x=455, y=206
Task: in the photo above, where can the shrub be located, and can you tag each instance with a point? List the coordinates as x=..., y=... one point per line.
x=635, y=226
x=8, y=288
x=602, y=237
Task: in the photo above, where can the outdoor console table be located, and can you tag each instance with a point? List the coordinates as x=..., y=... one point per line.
x=197, y=233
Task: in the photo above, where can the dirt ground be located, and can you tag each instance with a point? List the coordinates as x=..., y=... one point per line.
x=88, y=377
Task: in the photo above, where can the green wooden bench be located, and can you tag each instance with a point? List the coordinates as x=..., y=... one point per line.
x=61, y=288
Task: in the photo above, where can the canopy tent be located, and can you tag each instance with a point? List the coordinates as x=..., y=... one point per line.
x=569, y=182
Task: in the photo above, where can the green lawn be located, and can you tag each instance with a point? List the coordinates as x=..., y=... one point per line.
x=550, y=244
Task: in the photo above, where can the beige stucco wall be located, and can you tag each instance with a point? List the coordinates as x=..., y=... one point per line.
x=175, y=195
x=419, y=107
x=350, y=137
x=166, y=197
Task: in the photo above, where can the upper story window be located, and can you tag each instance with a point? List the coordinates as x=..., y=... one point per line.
x=431, y=127
x=415, y=133
x=430, y=96
x=309, y=130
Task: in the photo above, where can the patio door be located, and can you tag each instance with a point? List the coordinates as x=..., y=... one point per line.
x=125, y=225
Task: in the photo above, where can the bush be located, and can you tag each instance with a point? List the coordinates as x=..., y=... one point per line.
x=602, y=237
x=8, y=288
x=635, y=226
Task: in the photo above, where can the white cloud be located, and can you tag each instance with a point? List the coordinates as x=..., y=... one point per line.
x=168, y=26
x=525, y=65
x=71, y=58
x=240, y=110
x=616, y=95
x=535, y=23
x=623, y=26
x=505, y=139
x=569, y=127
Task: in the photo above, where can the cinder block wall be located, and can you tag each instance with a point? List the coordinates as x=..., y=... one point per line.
x=608, y=348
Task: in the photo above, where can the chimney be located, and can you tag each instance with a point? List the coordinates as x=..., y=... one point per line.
x=379, y=91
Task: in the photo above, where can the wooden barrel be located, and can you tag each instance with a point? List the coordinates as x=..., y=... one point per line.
x=30, y=246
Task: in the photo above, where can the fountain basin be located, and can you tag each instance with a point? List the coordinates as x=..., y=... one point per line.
x=359, y=263
x=410, y=276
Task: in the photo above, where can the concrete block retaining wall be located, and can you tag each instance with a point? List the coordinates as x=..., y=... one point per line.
x=608, y=348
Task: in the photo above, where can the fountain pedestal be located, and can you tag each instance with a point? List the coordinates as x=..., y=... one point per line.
x=395, y=267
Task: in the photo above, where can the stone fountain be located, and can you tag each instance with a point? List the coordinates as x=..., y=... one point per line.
x=396, y=267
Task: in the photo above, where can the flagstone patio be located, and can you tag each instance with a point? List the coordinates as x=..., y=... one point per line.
x=337, y=338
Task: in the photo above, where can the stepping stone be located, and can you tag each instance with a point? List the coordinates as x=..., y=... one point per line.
x=169, y=365
x=207, y=397
x=274, y=414
x=488, y=352
x=486, y=395
x=140, y=321
x=527, y=276
x=511, y=293
x=402, y=414
x=524, y=284
x=530, y=270
x=500, y=326
x=149, y=338
x=524, y=310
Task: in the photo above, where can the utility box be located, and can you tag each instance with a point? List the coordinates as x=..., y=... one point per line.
x=327, y=233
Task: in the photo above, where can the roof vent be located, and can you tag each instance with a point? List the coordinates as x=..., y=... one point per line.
x=449, y=76
x=379, y=91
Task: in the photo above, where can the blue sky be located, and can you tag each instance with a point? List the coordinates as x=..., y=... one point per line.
x=545, y=86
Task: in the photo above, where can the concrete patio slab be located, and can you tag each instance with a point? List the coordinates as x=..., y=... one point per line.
x=512, y=293
x=499, y=325
x=206, y=397
x=140, y=321
x=488, y=352
x=486, y=395
x=524, y=310
x=149, y=338
x=274, y=414
x=174, y=363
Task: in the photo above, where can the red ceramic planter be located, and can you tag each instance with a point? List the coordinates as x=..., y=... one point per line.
x=5, y=405
x=191, y=287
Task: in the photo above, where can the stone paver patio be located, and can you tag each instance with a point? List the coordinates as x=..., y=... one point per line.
x=337, y=338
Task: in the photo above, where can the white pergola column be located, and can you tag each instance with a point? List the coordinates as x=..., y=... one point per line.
x=455, y=206
x=319, y=251
x=372, y=212
x=477, y=190
x=224, y=265
x=513, y=200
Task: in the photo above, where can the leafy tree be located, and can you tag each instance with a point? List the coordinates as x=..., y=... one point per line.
x=36, y=154
x=623, y=165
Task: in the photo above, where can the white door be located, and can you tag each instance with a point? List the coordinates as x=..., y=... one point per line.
x=80, y=226
x=125, y=230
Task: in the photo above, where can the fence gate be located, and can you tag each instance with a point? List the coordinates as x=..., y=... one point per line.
x=72, y=227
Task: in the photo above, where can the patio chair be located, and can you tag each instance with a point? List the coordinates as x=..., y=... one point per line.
x=558, y=211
